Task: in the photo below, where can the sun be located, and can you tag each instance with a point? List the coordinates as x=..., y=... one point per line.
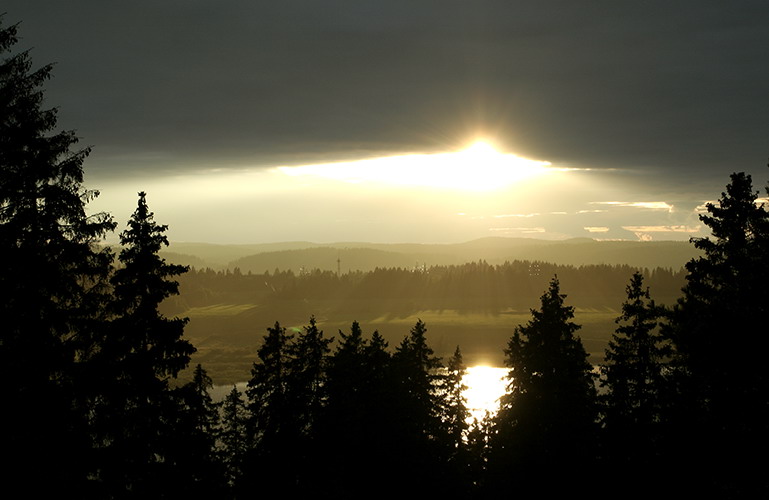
x=479, y=167
x=481, y=149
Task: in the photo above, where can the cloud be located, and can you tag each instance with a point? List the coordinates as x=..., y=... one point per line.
x=312, y=81
x=663, y=229
x=653, y=205
x=525, y=230
x=596, y=229
x=643, y=232
x=703, y=207
x=503, y=216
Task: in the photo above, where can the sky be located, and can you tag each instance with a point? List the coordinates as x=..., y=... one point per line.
x=409, y=121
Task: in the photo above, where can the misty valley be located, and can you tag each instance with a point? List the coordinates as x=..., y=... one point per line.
x=475, y=305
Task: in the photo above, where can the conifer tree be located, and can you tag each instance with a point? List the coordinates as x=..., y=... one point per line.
x=199, y=466
x=418, y=378
x=347, y=366
x=307, y=396
x=144, y=281
x=287, y=397
x=358, y=428
x=455, y=421
x=455, y=413
x=307, y=376
x=726, y=297
x=419, y=363
x=635, y=383
x=478, y=451
x=546, y=421
x=633, y=375
x=52, y=282
x=272, y=428
x=233, y=435
x=140, y=354
x=419, y=433
x=348, y=385
x=378, y=358
x=203, y=411
x=718, y=331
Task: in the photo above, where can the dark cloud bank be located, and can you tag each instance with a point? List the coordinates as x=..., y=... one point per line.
x=672, y=87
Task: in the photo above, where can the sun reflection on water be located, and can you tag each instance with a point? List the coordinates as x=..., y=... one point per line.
x=485, y=385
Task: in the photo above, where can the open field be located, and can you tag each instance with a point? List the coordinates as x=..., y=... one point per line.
x=227, y=336
x=472, y=294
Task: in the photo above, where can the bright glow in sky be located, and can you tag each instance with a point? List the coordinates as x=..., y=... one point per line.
x=447, y=197
x=209, y=154
x=652, y=205
x=480, y=167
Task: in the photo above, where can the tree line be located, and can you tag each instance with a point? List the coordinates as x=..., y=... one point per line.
x=93, y=408
x=474, y=286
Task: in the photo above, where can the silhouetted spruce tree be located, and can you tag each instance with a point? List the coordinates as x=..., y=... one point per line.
x=200, y=467
x=376, y=445
x=272, y=427
x=419, y=431
x=719, y=334
x=139, y=356
x=546, y=424
x=346, y=426
x=287, y=396
x=347, y=422
x=347, y=370
x=307, y=398
x=418, y=374
x=141, y=283
x=375, y=412
x=635, y=383
x=454, y=414
x=233, y=436
x=378, y=358
x=478, y=437
x=52, y=284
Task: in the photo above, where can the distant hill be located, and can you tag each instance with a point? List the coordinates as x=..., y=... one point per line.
x=187, y=260
x=358, y=256
x=327, y=259
x=220, y=255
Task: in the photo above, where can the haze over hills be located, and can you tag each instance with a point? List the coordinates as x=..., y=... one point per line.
x=362, y=256
x=463, y=300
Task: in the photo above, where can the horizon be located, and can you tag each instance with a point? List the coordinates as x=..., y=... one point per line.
x=345, y=257
x=428, y=243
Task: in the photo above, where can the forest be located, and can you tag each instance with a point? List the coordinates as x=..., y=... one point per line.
x=474, y=305
x=467, y=287
x=95, y=407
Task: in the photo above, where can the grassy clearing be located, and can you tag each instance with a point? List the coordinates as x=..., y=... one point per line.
x=216, y=310
x=227, y=336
